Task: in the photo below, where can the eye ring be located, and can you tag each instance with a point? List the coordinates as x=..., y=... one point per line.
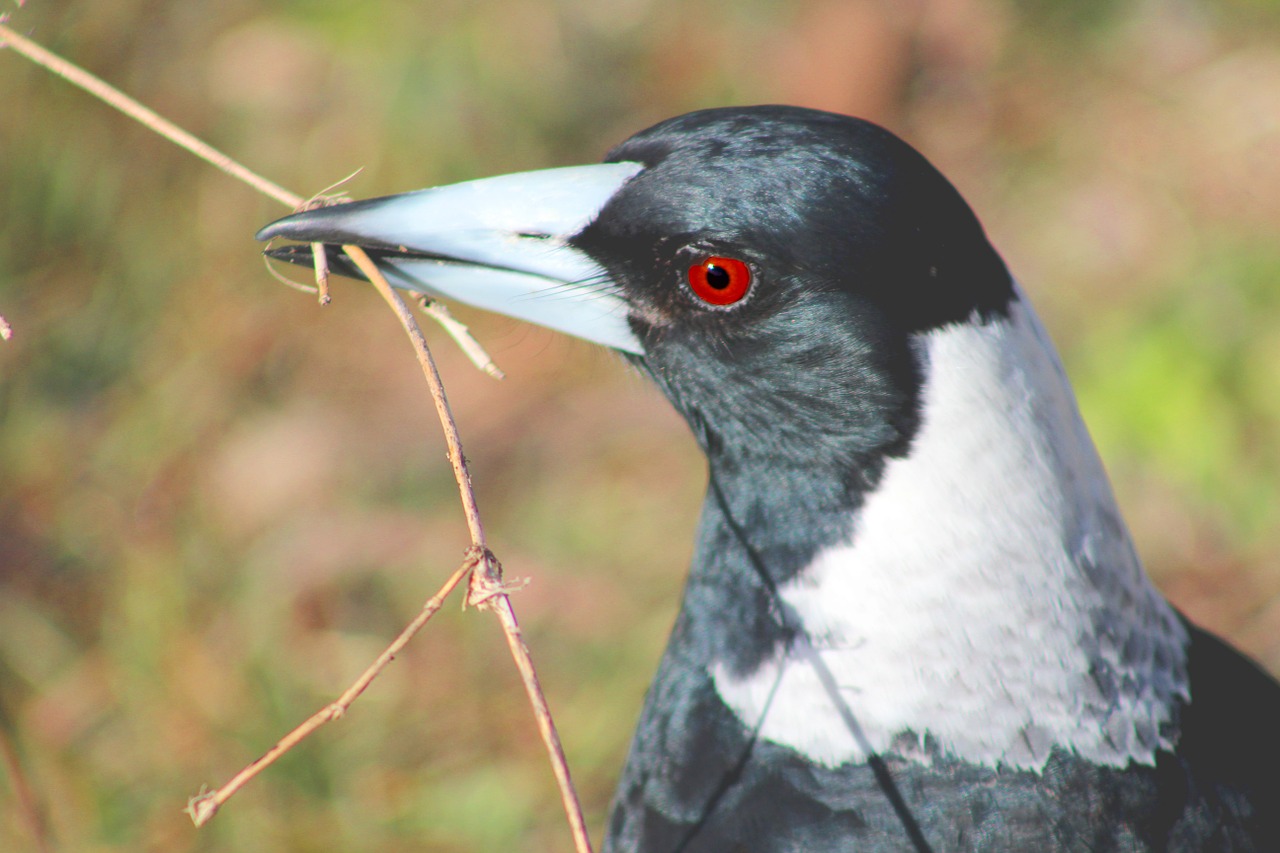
x=720, y=281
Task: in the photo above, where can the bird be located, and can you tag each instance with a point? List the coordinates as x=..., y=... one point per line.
x=914, y=618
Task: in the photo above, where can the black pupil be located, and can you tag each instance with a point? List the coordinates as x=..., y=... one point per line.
x=717, y=277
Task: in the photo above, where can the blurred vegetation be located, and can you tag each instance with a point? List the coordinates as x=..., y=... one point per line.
x=217, y=502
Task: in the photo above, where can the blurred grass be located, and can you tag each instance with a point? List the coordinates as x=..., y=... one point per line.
x=217, y=502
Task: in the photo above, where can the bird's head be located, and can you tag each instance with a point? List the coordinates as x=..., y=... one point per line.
x=769, y=267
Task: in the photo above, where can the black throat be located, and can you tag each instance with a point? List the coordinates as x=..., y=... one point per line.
x=795, y=437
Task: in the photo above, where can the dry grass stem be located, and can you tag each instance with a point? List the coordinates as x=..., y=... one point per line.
x=434, y=383
x=326, y=196
x=286, y=281
x=488, y=573
x=486, y=588
x=133, y=109
x=318, y=253
x=206, y=804
x=461, y=335
x=321, y=258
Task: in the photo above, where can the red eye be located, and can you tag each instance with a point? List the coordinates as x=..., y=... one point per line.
x=720, y=281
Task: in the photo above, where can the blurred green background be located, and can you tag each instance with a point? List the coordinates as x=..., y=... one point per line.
x=217, y=501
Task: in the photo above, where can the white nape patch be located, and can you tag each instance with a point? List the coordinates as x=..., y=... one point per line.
x=990, y=598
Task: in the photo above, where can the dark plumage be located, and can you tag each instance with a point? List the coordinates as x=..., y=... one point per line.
x=914, y=619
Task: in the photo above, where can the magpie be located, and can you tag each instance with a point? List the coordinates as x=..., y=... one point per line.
x=914, y=618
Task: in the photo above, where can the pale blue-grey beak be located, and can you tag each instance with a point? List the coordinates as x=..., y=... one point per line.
x=497, y=243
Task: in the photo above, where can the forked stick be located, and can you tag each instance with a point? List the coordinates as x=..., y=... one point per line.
x=205, y=805
x=486, y=589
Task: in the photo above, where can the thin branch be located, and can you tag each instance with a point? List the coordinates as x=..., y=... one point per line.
x=438, y=311
x=205, y=805
x=113, y=96
x=486, y=589
x=130, y=107
x=321, y=259
x=318, y=254
x=432, y=375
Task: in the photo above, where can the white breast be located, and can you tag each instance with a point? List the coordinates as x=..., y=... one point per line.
x=989, y=597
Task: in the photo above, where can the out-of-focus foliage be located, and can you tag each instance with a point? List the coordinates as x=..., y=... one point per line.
x=217, y=502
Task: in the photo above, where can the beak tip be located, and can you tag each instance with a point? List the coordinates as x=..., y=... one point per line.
x=269, y=232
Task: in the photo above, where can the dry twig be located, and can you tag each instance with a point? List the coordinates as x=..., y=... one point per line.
x=206, y=804
x=486, y=587
x=486, y=581
x=438, y=311
x=113, y=96
x=318, y=253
